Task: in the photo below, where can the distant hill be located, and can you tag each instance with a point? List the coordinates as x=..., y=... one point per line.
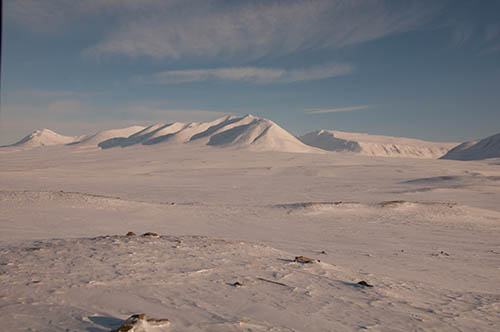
x=42, y=137
x=255, y=134
x=375, y=145
x=488, y=147
x=246, y=132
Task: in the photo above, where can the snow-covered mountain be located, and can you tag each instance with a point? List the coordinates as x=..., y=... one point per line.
x=488, y=147
x=101, y=136
x=243, y=132
x=43, y=137
x=246, y=132
x=375, y=145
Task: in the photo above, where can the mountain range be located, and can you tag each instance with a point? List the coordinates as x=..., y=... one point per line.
x=257, y=134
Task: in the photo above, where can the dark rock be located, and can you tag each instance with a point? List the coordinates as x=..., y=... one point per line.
x=150, y=234
x=364, y=284
x=132, y=321
x=304, y=260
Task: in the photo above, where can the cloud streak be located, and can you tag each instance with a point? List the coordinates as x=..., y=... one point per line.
x=341, y=109
x=52, y=15
x=251, y=30
x=253, y=75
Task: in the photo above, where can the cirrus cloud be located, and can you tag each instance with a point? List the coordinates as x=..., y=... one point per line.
x=248, y=74
x=250, y=30
x=340, y=109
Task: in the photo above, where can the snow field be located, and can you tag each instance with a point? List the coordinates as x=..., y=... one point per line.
x=190, y=280
x=423, y=232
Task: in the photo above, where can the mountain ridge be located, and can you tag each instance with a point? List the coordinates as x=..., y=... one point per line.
x=485, y=148
x=258, y=134
x=235, y=132
x=375, y=145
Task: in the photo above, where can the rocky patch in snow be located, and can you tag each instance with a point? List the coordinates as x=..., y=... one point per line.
x=140, y=323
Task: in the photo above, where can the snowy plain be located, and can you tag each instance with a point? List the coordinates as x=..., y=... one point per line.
x=424, y=232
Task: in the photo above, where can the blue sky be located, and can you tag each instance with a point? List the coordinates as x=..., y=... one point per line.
x=424, y=69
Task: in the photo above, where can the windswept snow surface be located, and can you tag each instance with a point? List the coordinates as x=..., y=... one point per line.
x=423, y=232
x=43, y=137
x=375, y=145
x=488, y=147
x=206, y=284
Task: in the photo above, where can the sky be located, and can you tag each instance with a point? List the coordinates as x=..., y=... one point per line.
x=422, y=69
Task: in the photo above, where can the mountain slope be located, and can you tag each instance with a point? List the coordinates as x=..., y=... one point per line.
x=488, y=147
x=175, y=132
x=43, y=137
x=97, y=138
x=375, y=145
x=258, y=135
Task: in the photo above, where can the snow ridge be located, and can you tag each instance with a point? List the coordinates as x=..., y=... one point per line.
x=488, y=147
x=375, y=145
x=101, y=136
x=246, y=132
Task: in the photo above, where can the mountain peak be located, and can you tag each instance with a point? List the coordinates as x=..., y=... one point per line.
x=43, y=137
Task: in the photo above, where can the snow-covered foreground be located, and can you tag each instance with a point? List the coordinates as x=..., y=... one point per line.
x=424, y=233
x=205, y=284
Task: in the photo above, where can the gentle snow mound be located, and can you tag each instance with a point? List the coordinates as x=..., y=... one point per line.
x=375, y=145
x=488, y=147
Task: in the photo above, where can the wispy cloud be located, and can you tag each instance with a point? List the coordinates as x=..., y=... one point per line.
x=249, y=30
x=248, y=74
x=52, y=15
x=484, y=37
x=341, y=109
